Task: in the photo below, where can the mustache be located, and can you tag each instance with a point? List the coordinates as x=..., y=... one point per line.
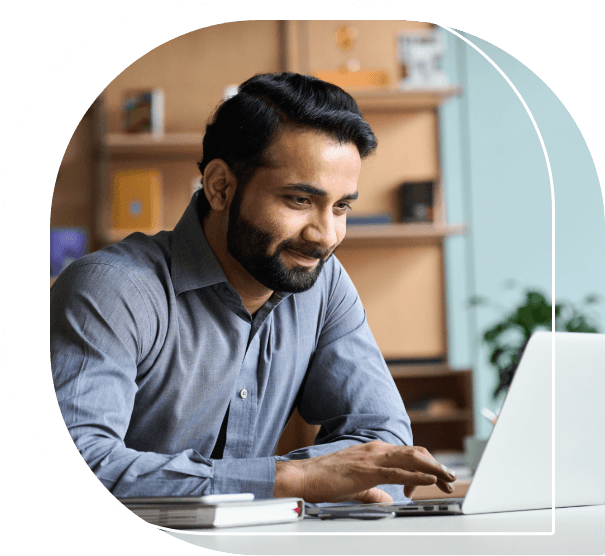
x=307, y=250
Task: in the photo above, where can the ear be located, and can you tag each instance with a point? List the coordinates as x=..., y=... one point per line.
x=219, y=184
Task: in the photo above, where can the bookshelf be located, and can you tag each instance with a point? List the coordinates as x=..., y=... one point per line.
x=439, y=402
x=398, y=269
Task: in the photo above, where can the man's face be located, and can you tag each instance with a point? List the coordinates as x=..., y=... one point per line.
x=290, y=217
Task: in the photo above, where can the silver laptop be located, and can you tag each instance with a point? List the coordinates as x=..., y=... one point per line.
x=515, y=471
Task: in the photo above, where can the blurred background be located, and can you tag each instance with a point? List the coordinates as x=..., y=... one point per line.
x=450, y=242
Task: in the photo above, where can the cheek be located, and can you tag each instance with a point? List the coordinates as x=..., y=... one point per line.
x=265, y=218
x=340, y=227
x=283, y=224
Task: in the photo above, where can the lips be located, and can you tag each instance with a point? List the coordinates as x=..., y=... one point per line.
x=302, y=260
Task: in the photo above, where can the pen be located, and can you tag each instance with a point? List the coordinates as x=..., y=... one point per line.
x=489, y=415
x=354, y=514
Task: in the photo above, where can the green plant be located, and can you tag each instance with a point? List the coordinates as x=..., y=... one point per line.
x=507, y=339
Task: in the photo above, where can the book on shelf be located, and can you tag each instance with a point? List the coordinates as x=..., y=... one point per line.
x=66, y=245
x=370, y=219
x=143, y=111
x=136, y=200
x=193, y=513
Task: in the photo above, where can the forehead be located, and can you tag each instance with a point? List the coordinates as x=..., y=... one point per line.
x=309, y=155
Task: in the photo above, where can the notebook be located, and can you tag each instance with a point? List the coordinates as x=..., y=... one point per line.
x=195, y=512
x=515, y=471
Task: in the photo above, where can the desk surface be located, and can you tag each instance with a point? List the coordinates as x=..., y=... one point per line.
x=577, y=531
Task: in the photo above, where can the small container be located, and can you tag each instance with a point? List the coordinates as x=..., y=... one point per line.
x=416, y=201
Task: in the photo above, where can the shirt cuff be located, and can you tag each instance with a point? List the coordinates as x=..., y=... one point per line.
x=255, y=475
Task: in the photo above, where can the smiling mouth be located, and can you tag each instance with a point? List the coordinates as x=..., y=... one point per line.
x=300, y=259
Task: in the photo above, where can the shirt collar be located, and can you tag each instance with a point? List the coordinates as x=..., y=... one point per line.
x=193, y=264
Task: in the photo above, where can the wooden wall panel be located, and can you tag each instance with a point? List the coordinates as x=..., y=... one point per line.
x=406, y=152
x=71, y=205
x=194, y=69
x=400, y=288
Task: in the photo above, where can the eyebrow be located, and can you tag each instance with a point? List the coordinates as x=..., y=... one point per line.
x=312, y=190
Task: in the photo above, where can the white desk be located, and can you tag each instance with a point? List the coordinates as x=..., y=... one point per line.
x=577, y=531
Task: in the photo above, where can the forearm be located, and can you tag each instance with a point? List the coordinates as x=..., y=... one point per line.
x=129, y=473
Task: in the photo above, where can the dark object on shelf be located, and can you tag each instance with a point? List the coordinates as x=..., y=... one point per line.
x=416, y=361
x=416, y=201
x=369, y=219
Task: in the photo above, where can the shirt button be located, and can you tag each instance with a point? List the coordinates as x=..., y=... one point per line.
x=243, y=394
x=228, y=292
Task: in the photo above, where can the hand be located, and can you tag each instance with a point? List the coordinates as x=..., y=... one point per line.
x=353, y=473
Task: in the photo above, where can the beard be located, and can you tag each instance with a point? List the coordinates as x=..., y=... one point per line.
x=249, y=245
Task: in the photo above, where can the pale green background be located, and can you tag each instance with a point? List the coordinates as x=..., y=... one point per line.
x=496, y=180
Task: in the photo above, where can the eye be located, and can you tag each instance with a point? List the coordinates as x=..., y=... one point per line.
x=342, y=207
x=300, y=201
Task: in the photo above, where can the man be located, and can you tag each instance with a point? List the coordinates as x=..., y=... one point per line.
x=179, y=358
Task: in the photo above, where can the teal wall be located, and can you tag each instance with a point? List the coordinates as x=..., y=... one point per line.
x=496, y=179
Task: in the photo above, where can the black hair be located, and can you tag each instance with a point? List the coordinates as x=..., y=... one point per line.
x=243, y=127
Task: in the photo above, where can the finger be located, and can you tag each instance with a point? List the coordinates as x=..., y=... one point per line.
x=395, y=476
x=448, y=488
x=373, y=496
x=424, y=452
x=420, y=459
x=445, y=486
x=409, y=490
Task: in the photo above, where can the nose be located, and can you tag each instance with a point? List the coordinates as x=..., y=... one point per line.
x=322, y=230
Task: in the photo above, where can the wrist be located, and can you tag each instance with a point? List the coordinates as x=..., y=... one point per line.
x=289, y=480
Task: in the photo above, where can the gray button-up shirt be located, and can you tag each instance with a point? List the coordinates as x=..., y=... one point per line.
x=151, y=346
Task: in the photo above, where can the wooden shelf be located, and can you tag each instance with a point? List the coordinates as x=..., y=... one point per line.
x=396, y=100
x=187, y=144
x=460, y=415
x=395, y=234
x=111, y=236
x=357, y=236
x=168, y=144
x=439, y=402
x=422, y=371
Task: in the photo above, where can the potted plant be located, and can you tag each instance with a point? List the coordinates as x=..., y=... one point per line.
x=507, y=338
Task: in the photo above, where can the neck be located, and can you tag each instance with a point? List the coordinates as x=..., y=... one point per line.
x=254, y=295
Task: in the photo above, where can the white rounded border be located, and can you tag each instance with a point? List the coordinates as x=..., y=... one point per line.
x=199, y=2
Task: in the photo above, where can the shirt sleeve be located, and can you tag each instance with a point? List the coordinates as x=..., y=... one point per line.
x=100, y=332
x=349, y=390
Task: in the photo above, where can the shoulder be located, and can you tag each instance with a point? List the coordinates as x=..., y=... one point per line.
x=136, y=255
x=139, y=263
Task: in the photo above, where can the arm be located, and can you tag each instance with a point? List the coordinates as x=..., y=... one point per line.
x=349, y=391
x=102, y=337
